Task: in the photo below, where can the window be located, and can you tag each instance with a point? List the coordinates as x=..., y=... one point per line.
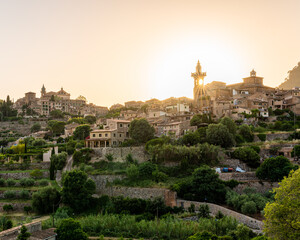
x=120, y=135
x=121, y=125
x=100, y=135
x=94, y=135
x=106, y=134
x=114, y=135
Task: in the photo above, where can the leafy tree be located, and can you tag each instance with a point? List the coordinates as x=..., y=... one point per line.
x=82, y=131
x=204, y=211
x=18, y=149
x=201, y=119
x=57, y=114
x=249, y=208
x=246, y=133
x=132, y=172
x=36, y=127
x=45, y=200
x=69, y=229
x=282, y=217
x=7, y=207
x=230, y=124
x=146, y=169
x=59, y=160
x=274, y=169
x=218, y=134
x=27, y=209
x=5, y=223
x=56, y=127
x=90, y=119
x=207, y=236
x=206, y=185
x=24, y=235
x=248, y=155
x=77, y=190
x=141, y=131
x=296, y=151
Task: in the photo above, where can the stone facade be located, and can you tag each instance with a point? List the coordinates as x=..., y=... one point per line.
x=214, y=209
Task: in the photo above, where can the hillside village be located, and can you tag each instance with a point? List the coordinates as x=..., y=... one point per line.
x=165, y=169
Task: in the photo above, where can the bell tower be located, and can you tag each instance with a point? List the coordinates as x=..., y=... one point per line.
x=198, y=83
x=43, y=91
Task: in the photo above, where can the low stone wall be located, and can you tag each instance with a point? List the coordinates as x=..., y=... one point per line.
x=214, y=209
x=14, y=232
x=120, y=153
x=273, y=136
x=31, y=166
x=102, y=180
x=18, y=207
x=260, y=187
x=144, y=193
x=19, y=175
x=246, y=176
x=233, y=163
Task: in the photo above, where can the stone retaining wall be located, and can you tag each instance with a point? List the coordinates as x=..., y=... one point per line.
x=260, y=187
x=102, y=180
x=273, y=136
x=14, y=232
x=31, y=166
x=120, y=153
x=24, y=129
x=248, y=221
x=233, y=163
x=18, y=207
x=144, y=193
x=246, y=176
x=19, y=175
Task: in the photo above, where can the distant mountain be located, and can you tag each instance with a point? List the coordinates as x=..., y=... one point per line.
x=293, y=80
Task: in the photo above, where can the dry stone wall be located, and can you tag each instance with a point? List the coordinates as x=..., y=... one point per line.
x=214, y=209
x=120, y=153
x=19, y=207
x=260, y=187
x=19, y=175
x=14, y=232
x=143, y=193
x=31, y=166
x=24, y=129
x=246, y=176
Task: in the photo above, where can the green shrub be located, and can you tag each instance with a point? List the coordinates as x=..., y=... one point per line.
x=203, y=211
x=36, y=174
x=7, y=207
x=2, y=182
x=132, y=172
x=10, y=182
x=43, y=182
x=10, y=194
x=159, y=176
x=26, y=182
x=146, y=169
x=256, y=148
x=27, y=209
x=109, y=157
x=262, y=137
x=24, y=194
x=249, y=208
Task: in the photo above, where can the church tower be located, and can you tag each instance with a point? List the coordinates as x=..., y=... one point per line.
x=43, y=91
x=198, y=83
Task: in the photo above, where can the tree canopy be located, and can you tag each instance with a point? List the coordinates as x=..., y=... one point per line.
x=141, y=131
x=218, y=134
x=282, y=217
x=230, y=124
x=45, y=200
x=82, y=131
x=274, y=169
x=56, y=127
x=69, y=229
x=200, y=119
x=77, y=190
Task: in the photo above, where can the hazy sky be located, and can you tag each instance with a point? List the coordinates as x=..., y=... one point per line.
x=112, y=51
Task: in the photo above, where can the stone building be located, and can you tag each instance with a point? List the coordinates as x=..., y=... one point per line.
x=114, y=134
